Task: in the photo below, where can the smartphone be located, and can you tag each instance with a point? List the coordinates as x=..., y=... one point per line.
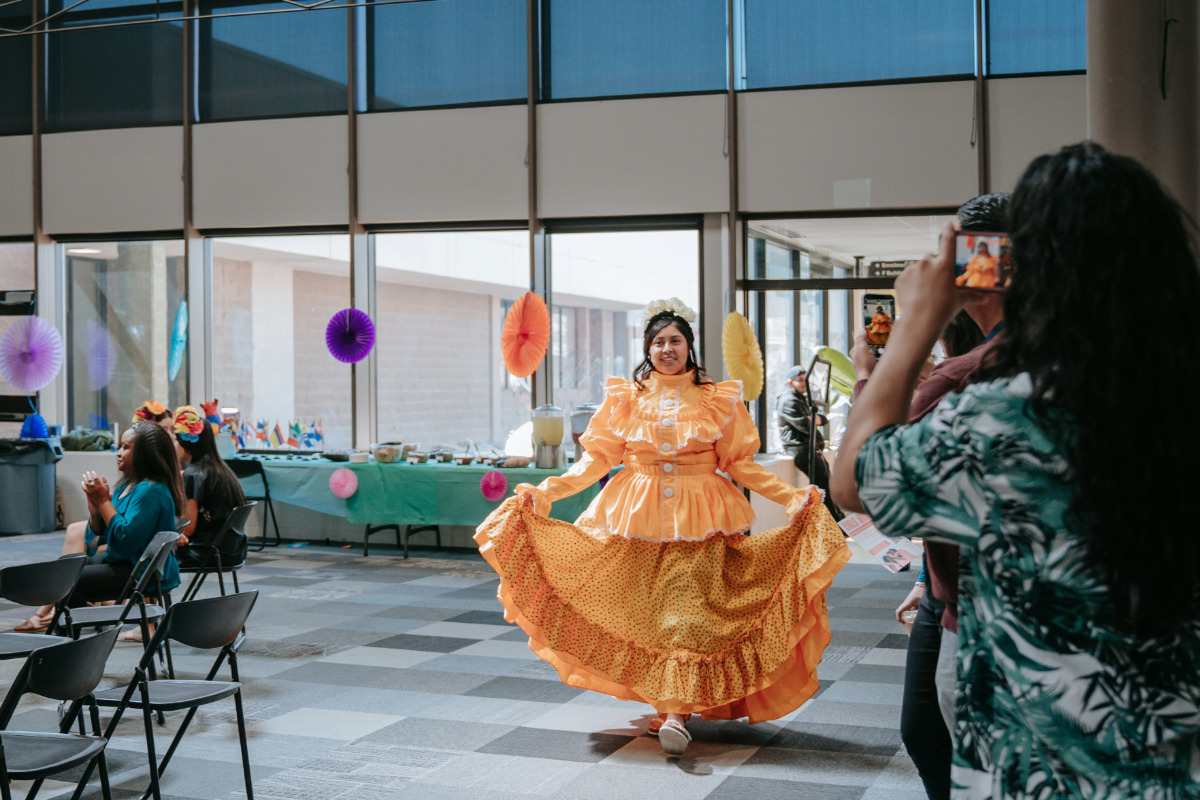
x=879, y=314
x=982, y=261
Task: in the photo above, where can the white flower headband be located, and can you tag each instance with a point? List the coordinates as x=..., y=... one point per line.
x=673, y=305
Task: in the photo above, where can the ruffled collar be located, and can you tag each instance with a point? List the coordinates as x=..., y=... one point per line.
x=687, y=376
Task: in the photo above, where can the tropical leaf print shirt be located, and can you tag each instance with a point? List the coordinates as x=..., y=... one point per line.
x=1054, y=700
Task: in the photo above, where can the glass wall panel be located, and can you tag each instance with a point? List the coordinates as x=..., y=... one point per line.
x=16, y=67
x=271, y=65
x=16, y=273
x=778, y=355
x=440, y=301
x=1035, y=36
x=445, y=53
x=622, y=47
x=810, y=42
x=272, y=298
x=114, y=77
x=126, y=337
x=600, y=283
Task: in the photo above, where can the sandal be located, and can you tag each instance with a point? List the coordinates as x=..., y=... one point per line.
x=134, y=634
x=655, y=725
x=33, y=625
x=673, y=737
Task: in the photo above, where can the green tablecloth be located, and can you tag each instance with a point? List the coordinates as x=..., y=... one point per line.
x=408, y=494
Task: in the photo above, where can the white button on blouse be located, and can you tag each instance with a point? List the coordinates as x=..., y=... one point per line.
x=668, y=467
x=668, y=422
x=666, y=447
x=669, y=492
x=668, y=402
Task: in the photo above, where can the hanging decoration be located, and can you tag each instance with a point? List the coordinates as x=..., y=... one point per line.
x=31, y=353
x=526, y=335
x=101, y=356
x=350, y=335
x=743, y=358
x=35, y=427
x=178, y=340
x=343, y=482
x=493, y=485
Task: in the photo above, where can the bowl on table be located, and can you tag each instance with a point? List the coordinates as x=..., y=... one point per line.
x=387, y=454
x=442, y=456
x=417, y=457
x=464, y=458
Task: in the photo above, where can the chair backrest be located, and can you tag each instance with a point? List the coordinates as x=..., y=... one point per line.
x=237, y=519
x=150, y=564
x=41, y=583
x=66, y=671
x=208, y=623
x=246, y=467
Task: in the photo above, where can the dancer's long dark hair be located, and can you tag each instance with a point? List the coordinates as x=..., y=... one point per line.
x=1102, y=313
x=204, y=455
x=656, y=324
x=154, y=459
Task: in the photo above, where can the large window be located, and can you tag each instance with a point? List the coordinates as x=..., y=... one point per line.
x=1035, y=36
x=16, y=67
x=16, y=274
x=440, y=305
x=272, y=299
x=114, y=77
x=126, y=337
x=271, y=64
x=622, y=47
x=446, y=52
x=600, y=282
x=813, y=42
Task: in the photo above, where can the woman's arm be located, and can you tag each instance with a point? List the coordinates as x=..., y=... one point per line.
x=144, y=513
x=735, y=456
x=925, y=292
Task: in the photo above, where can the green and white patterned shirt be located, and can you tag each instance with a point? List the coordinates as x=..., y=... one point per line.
x=1054, y=700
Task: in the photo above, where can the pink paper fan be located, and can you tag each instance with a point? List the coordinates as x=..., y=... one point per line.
x=493, y=485
x=30, y=354
x=101, y=356
x=343, y=483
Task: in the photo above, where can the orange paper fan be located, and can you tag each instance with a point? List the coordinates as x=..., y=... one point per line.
x=526, y=335
x=743, y=358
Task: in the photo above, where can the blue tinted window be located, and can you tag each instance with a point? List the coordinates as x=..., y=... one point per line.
x=446, y=52
x=810, y=42
x=1036, y=36
x=16, y=65
x=271, y=65
x=619, y=47
x=114, y=77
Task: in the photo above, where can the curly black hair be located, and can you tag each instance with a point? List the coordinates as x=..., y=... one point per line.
x=1101, y=313
x=656, y=323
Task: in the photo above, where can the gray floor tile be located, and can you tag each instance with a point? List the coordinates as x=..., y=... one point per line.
x=874, y=673
x=430, y=644
x=806, y=735
x=509, y=688
x=556, y=745
x=442, y=734
x=738, y=787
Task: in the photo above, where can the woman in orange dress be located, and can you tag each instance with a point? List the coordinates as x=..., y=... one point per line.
x=656, y=593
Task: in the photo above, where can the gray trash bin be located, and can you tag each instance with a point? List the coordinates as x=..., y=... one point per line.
x=27, y=476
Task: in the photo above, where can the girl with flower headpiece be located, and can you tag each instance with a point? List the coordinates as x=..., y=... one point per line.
x=211, y=489
x=156, y=412
x=656, y=593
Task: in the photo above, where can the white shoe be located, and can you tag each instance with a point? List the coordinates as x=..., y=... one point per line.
x=673, y=737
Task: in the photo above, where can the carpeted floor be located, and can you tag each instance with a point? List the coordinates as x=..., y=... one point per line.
x=378, y=678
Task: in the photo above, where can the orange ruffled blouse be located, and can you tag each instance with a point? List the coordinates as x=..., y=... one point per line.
x=672, y=437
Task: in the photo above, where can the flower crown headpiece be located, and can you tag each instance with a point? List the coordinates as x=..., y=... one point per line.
x=188, y=423
x=150, y=411
x=672, y=305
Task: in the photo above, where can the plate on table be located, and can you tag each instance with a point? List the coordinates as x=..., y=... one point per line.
x=336, y=456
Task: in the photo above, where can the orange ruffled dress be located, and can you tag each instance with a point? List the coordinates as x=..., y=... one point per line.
x=656, y=593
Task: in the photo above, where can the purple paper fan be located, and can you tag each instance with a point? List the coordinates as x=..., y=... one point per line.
x=101, y=356
x=30, y=354
x=350, y=335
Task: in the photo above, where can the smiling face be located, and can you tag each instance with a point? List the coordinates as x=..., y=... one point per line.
x=125, y=454
x=668, y=351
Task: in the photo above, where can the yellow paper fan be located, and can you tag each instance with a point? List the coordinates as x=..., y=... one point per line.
x=743, y=358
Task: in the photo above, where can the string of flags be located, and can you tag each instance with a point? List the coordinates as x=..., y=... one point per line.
x=266, y=435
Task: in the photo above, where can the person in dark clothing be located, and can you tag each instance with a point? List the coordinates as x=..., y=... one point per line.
x=795, y=411
x=211, y=489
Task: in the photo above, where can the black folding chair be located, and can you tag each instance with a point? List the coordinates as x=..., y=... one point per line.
x=210, y=553
x=67, y=672
x=145, y=581
x=210, y=623
x=253, y=468
x=39, y=584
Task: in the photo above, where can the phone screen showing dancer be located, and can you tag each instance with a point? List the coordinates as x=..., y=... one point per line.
x=879, y=314
x=982, y=261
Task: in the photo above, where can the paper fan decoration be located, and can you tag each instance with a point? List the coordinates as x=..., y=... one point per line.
x=526, y=335
x=101, y=356
x=30, y=354
x=493, y=485
x=350, y=335
x=35, y=427
x=743, y=358
x=178, y=341
x=343, y=483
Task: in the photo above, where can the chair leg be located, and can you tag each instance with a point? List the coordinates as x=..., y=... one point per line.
x=241, y=725
x=102, y=762
x=274, y=520
x=155, y=789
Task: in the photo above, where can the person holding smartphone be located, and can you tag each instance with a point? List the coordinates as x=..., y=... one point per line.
x=1079, y=612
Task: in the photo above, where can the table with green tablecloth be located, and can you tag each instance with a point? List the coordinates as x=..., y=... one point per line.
x=405, y=494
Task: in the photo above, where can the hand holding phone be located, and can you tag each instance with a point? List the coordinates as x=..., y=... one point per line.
x=982, y=261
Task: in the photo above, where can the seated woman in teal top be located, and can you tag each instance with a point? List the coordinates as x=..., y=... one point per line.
x=148, y=500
